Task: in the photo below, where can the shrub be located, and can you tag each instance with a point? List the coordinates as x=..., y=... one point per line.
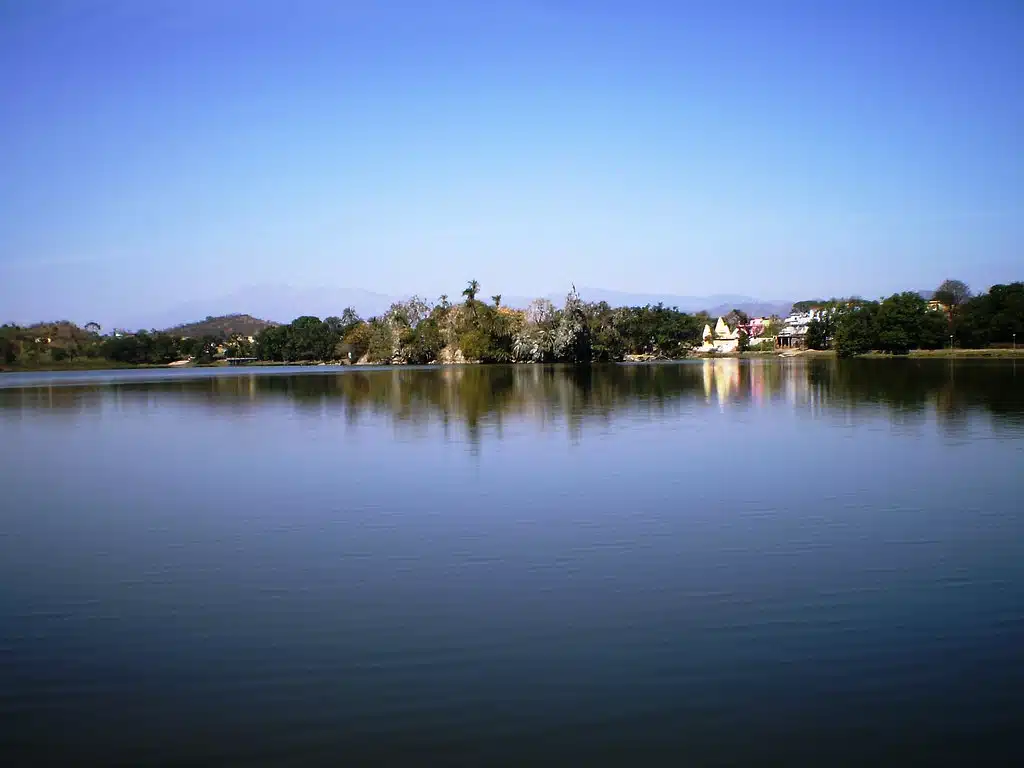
x=381, y=346
x=474, y=345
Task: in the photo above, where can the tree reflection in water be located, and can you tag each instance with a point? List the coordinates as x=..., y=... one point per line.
x=484, y=398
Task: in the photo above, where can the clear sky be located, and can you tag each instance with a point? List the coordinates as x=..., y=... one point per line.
x=156, y=151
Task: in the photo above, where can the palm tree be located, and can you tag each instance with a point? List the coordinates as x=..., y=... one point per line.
x=471, y=291
x=497, y=299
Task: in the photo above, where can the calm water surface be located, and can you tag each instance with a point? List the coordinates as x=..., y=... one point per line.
x=705, y=563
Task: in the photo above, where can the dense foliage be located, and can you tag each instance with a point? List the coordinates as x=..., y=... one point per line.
x=906, y=321
x=856, y=330
x=63, y=343
x=896, y=325
x=806, y=306
x=992, y=318
x=821, y=330
x=418, y=332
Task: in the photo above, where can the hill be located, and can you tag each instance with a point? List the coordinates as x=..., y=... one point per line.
x=222, y=327
x=277, y=303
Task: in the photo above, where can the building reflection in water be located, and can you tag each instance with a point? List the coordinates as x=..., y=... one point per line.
x=721, y=378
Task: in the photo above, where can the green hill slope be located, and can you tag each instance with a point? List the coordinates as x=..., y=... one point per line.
x=222, y=327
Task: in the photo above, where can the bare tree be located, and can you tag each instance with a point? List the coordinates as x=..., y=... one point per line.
x=736, y=318
x=953, y=294
x=410, y=312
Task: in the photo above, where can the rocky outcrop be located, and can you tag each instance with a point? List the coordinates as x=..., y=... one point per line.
x=451, y=355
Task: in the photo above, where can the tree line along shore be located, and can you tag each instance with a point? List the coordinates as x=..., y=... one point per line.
x=471, y=329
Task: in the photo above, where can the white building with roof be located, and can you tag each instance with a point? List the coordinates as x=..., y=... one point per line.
x=794, y=328
x=722, y=340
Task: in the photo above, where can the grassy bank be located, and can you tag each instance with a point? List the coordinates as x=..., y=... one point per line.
x=83, y=364
x=765, y=355
x=98, y=364
x=95, y=364
x=1000, y=352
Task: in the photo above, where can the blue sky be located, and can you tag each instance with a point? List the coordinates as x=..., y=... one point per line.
x=155, y=152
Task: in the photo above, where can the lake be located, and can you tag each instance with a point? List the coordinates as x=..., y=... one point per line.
x=711, y=562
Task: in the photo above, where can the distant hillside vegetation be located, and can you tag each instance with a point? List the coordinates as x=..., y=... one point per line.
x=222, y=327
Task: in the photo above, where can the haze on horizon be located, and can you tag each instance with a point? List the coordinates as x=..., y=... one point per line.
x=165, y=152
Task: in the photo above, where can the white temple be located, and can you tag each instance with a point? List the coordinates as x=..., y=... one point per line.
x=723, y=340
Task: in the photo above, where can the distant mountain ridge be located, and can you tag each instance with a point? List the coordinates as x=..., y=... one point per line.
x=277, y=303
x=283, y=303
x=715, y=303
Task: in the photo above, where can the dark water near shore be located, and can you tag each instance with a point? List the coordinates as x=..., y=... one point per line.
x=709, y=563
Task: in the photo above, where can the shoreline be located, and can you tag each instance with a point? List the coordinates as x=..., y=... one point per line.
x=997, y=353
x=949, y=353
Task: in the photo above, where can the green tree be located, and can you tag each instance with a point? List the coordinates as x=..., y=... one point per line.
x=483, y=333
x=163, y=349
x=206, y=348
x=807, y=305
x=125, y=349
x=572, y=340
x=470, y=292
x=334, y=325
x=900, y=321
x=355, y=343
x=239, y=346
x=9, y=347
x=500, y=329
x=992, y=318
x=607, y=344
x=855, y=331
x=273, y=343
x=821, y=330
x=337, y=328
x=474, y=345
x=381, y=343
x=422, y=344
x=934, y=331
x=658, y=330
x=309, y=339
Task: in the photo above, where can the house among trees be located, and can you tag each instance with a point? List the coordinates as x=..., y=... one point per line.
x=754, y=328
x=793, y=334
